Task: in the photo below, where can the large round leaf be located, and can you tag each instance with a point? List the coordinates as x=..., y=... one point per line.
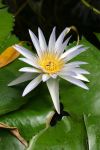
x=31, y=118
x=76, y=100
x=68, y=134
x=10, y=98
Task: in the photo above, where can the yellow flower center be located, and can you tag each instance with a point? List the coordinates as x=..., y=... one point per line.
x=50, y=63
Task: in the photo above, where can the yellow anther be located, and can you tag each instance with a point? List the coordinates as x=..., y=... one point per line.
x=50, y=63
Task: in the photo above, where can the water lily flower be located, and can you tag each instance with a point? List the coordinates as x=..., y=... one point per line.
x=50, y=63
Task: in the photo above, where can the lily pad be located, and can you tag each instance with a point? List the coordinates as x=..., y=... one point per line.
x=68, y=134
x=76, y=100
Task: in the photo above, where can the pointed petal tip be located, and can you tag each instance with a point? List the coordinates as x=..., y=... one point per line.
x=9, y=84
x=30, y=32
x=88, y=72
x=15, y=46
x=39, y=29
x=86, y=88
x=57, y=107
x=85, y=63
x=20, y=70
x=54, y=28
x=23, y=94
x=19, y=58
x=58, y=111
x=87, y=80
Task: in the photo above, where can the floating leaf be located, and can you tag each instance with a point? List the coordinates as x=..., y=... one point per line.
x=30, y=118
x=76, y=100
x=68, y=134
x=10, y=98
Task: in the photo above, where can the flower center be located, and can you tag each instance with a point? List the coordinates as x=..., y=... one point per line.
x=50, y=63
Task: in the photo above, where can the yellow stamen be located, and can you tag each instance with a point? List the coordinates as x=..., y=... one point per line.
x=50, y=63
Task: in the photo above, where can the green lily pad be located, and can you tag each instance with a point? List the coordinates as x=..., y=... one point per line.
x=31, y=118
x=68, y=134
x=29, y=114
x=77, y=100
x=10, y=98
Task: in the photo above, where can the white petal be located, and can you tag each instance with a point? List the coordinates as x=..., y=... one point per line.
x=30, y=69
x=33, y=84
x=80, y=71
x=75, y=81
x=26, y=53
x=60, y=39
x=52, y=40
x=53, y=86
x=24, y=77
x=63, y=46
x=74, y=67
x=67, y=73
x=81, y=77
x=35, y=42
x=45, y=77
x=30, y=62
x=42, y=40
x=71, y=53
x=68, y=68
x=75, y=64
